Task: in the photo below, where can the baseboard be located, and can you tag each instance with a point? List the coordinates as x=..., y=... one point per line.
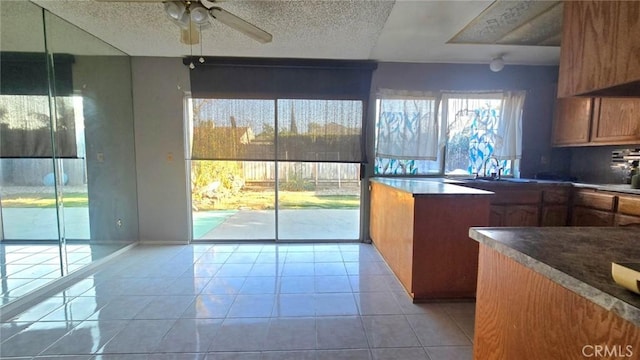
x=162, y=242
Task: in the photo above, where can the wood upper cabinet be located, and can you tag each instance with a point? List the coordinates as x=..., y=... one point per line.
x=600, y=47
x=617, y=121
x=572, y=121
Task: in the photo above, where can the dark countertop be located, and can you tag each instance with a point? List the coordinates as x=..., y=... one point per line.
x=576, y=258
x=618, y=188
x=621, y=188
x=428, y=186
x=406, y=183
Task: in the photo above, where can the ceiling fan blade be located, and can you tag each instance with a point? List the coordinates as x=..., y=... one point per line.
x=241, y=25
x=190, y=35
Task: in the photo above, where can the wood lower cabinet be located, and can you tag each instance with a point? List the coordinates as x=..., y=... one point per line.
x=616, y=121
x=591, y=217
x=425, y=239
x=629, y=205
x=627, y=220
x=514, y=215
x=521, y=314
x=554, y=215
x=593, y=208
x=572, y=121
x=522, y=215
x=594, y=199
x=555, y=206
x=514, y=207
x=628, y=212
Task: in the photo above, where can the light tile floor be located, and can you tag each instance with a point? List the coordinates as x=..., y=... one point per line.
x=26, y=267
x=250, y=301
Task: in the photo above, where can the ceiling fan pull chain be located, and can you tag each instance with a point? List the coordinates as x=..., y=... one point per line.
x=201, y=60
x=191, y=64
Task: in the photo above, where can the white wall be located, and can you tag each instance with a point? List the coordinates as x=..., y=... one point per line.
x=105, y=84
x=158, y=95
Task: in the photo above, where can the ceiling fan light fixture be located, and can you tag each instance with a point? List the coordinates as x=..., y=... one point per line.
x=199, y=14
x=178, y=13
x=174, y=10
x=497, y=64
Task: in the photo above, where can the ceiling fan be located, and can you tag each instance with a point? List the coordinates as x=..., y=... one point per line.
x=194, y=15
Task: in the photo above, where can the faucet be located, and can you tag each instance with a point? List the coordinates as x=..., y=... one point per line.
x=493, y=175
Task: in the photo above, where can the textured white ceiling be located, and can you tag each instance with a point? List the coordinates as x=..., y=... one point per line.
x=408, y=31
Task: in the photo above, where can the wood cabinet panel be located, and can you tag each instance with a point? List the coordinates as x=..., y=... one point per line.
x=496, y=215
x=627, y=220
x=516, y=196
x=594, y=200
x=446, y=259
x=582, y=216
x=391, y=229
x=425, y=240
x=629, y=205
x=600, y=46
x=523, y=315
x=572, y=121
x=554, y=215
x=556, y=196
x=522, y=215
x=617, y=121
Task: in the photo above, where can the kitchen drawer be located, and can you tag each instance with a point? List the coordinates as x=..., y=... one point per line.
x=591, y=217
x=594, y=200
x=626, y=220
x=555, y=196
x=629, y=205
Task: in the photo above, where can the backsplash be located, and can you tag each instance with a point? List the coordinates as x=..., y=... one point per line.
x=622, y=161
x=594, y=164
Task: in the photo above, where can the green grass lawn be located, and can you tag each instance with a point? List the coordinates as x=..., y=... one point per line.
x=257, y=200
x=264, y=200
x=44, y=200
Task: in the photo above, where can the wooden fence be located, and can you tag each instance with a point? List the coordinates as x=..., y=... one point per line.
x=329, y=174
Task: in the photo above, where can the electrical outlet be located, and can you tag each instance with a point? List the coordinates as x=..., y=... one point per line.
x=100, y=157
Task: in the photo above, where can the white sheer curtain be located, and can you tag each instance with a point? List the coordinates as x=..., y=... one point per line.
x=471, y=120
x=407, y=125
x=509, y=138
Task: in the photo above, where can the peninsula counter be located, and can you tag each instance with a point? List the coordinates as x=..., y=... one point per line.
x=421, y=227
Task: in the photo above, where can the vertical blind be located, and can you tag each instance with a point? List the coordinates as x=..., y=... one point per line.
x=310, y=110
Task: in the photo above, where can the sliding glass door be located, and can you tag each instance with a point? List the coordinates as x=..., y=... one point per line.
x=275, y=169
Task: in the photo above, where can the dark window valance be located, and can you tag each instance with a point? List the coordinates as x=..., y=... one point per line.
x=25, y=124
x=319, y=115
x=25, y=73
x=281, y=78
